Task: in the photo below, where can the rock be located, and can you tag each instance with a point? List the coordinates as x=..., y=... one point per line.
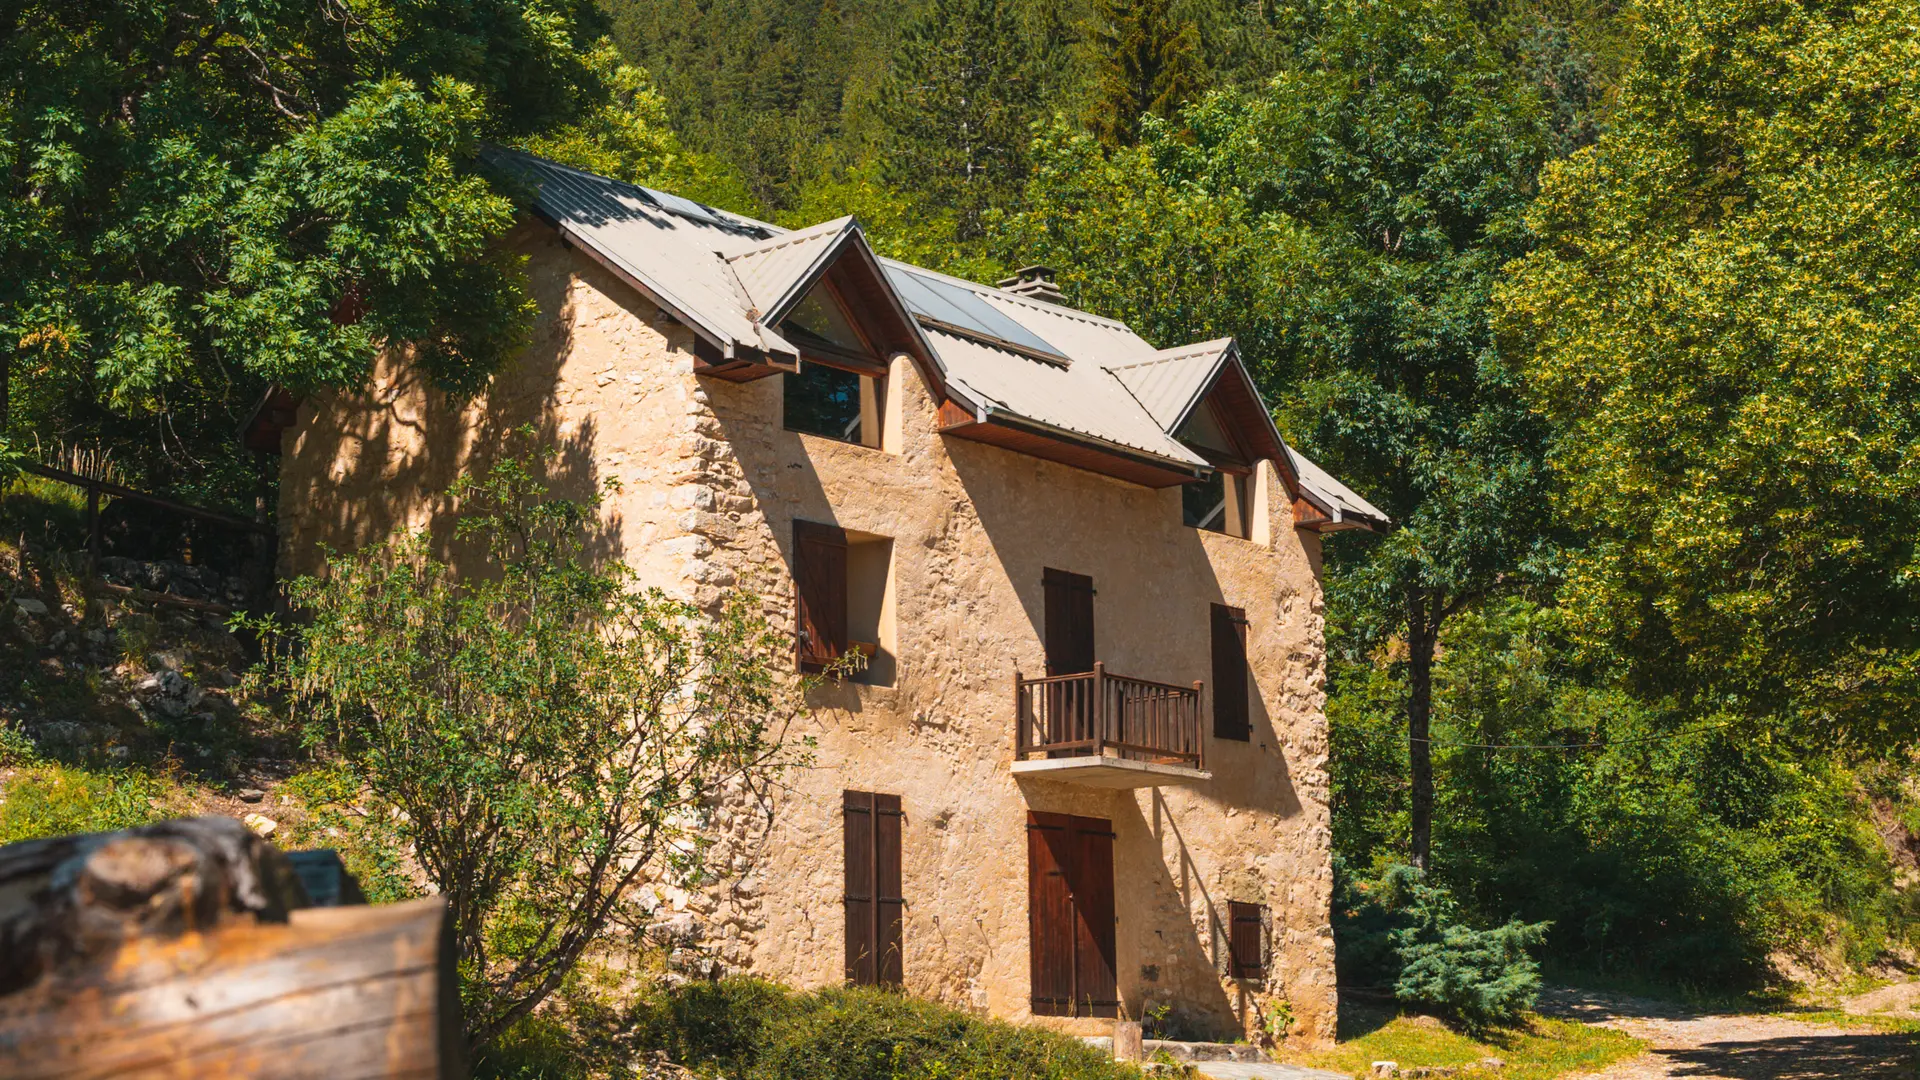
x=30, y=606
x=250, y=794
x=1493, y=1063
x=681, y=929
x=57, y=640
x=1384, y=1068
x=164, y=661
x=262, y=825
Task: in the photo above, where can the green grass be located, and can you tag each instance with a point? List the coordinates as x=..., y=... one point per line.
x=1539, y=1049
x=44, y=799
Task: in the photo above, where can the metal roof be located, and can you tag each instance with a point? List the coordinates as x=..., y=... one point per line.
x=732, y=278
x=1170, y=384
x=777, y=272
x=1333, y=496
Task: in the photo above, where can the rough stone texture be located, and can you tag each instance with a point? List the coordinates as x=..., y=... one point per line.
x=709, y=485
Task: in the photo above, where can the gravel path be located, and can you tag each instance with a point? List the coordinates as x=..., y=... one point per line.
x=1704, y=1046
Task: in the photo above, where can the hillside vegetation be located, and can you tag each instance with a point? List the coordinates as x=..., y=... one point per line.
x=1608, y=305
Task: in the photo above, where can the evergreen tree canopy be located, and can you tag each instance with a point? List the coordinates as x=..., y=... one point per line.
x=966, y=85
x=1152, y=67
x=1719, y=325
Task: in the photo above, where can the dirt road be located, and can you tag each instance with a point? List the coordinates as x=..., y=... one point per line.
x=1706, y=1046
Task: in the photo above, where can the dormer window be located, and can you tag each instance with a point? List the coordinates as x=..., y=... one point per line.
x=1220, y=502
x=840, y=390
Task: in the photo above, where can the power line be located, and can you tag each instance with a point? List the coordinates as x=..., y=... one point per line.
x=1571, y=746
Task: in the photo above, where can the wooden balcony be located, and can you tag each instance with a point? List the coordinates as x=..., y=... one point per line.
x=1107, y=730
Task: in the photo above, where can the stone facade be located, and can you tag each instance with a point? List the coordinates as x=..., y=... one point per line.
x=709, y=484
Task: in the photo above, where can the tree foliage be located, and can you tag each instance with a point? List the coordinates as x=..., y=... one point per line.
x=1347, y=223
x=546, y=734
x=1718, y=327
x=201, y=198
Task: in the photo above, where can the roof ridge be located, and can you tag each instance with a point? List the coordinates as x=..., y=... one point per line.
x=1168, y=356
x=792, y=237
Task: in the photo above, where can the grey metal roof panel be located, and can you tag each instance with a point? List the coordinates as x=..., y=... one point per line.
x=1337, y=497
x=1081, y=398
x=671, y=255
x=1168, y=385
x=773, y=270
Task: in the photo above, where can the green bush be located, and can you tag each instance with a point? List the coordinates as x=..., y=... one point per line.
x=749, y=1030
x=1399, y=929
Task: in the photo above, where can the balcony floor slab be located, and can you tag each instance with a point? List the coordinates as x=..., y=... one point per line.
x=1109, y=772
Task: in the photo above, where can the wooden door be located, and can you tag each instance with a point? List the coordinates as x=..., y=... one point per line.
x=1070, y=915
x=1069, y=621
x=1091, y=880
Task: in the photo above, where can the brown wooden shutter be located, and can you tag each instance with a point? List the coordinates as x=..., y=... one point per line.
x=1230, y=674
x=1069, y=621
x=1070, y=915
x=820, y=581
x=857, y=841
x=875, y=908
x=889, y=905
x=1246, y=935
x=1090, y=878
x=1049, y=915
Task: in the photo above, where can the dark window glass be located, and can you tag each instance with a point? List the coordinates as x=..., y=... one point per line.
x=1203, y=504
x=825, y=401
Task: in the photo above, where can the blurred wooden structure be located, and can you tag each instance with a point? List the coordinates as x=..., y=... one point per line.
x=191, y=949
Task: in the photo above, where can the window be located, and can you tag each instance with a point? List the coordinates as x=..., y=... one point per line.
x=1246, y=940
x=1070, y=915
x=870, y=830
x=1217, y=504
x=843, y=585
x=840, y=390
x=1230, y=721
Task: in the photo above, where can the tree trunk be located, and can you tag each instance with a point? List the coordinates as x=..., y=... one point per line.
x=1422, y=631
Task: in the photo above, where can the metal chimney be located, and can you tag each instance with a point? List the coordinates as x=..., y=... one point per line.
x=1034, y=283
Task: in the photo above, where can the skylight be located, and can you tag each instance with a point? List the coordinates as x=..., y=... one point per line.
x=959, y=310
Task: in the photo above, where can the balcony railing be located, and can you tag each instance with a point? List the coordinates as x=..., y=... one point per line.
x=1098, y=714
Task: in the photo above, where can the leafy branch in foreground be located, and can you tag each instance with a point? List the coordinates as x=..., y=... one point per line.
x=546, y=734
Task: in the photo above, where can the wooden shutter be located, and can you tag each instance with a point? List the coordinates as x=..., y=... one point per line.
x=820, y=582
x=1090, y=878
x=889, y=904
x=875, y=908
x=1230, y=674
x=1070, y=915
x=1246, y=937
x=1069, y=621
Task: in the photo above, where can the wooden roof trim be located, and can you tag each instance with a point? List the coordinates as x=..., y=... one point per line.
x=1064, y=447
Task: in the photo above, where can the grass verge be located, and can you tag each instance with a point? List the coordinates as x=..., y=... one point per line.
x=1539, y=1049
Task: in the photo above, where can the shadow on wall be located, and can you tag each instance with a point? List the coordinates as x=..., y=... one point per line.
x=398, y=445
x=1199, y=1006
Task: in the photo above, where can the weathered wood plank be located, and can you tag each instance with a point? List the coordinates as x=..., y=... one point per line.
x=185, y=950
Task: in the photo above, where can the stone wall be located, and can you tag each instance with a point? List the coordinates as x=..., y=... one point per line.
x=708, y=487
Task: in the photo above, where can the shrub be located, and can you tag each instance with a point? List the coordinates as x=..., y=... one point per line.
x=542, y=733
x=1400, y=928
x=749, y=1030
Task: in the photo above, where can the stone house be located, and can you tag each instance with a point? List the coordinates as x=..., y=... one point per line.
x=1082, y=771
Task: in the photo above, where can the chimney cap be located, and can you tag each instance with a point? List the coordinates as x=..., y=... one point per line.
x=1033, y=282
